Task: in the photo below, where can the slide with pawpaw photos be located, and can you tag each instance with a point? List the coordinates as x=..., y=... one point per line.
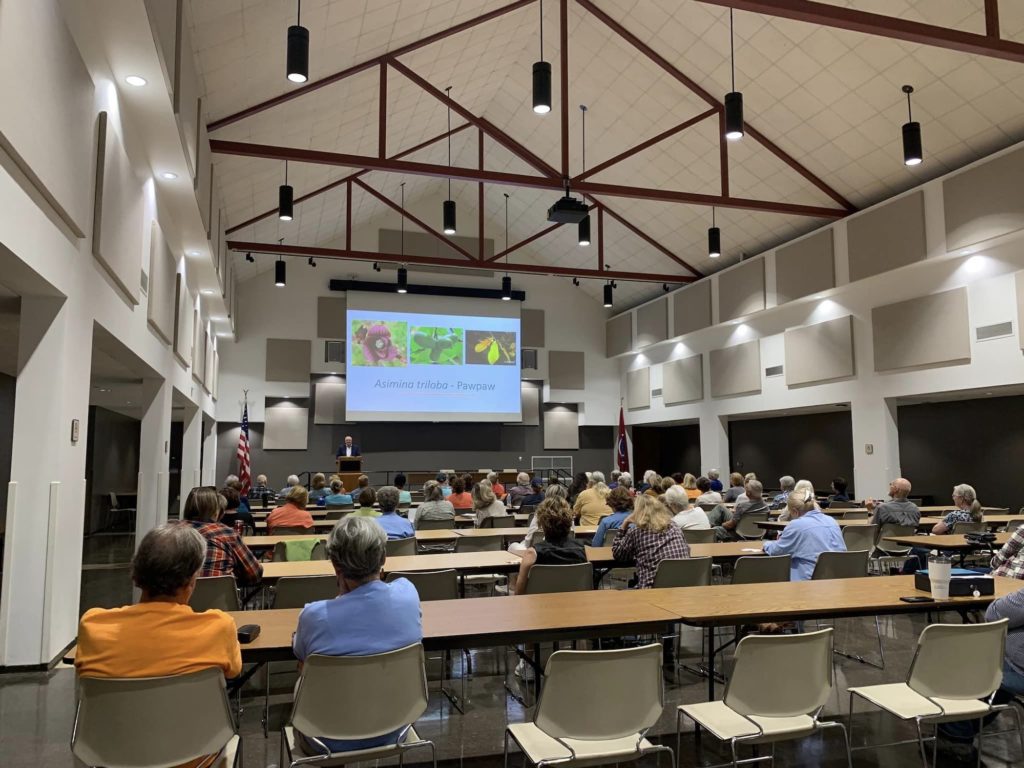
x=425, y=366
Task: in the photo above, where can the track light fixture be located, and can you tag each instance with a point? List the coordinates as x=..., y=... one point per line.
x=733, y=99
x=448, y=210
x=714, y=238
x=403, y=280
x=311, y=261
x=576, y=282
x=506, y=281
x=664, y=287
x=250, y=258
x=912, y=148
x=583, y=234
x=298, y=49
x=285, y=203
x=376, y=267
x=541, y=75
x=608, y=294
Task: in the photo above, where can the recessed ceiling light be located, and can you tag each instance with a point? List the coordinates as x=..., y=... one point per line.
x=223, y=334
x=193, y=253
x=135, y=80
x=168, y=175
x=207, y=291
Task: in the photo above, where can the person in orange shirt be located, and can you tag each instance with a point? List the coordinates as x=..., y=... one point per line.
x=293, y=513
x=690, y=486
x=496, y=486
x=458, y=497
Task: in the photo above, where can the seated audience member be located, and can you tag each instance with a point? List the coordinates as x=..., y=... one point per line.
x=293, y=480
x=485, y=504
x=458, y=497
x=160, y=635
x=735, y=489
x=434, y=506
x=786, y=484
x=520, y=489
x=716, y=483
x=809, y=533
x=337, y=496
x=690, y=486
x=580, y=483
x=647, y=537
x=232, y=481
x=496, y=486
x=590, y=504
x=626, y=481
x=707, y=494
x=666, y=483
x=259, y=488
x=369, y=616
x=533, y=529
x=685, y=516
x=365, y=500
x=404, y=497
x=362, y=484
x=292, y=513
x=898, y=510
x=621, y=504
x=801, y=485
x=554, y=518
x=319, y=489
x=537, y=496
x=394, y=525
x=968, y=510
x=443, y=480
x=1009, y=560
x=678, y=477
x=226, y=555
x=654, y=486
x=752, y=504
x=839, y=486
x=648, y=476
x=616, y=473
x=233, y=510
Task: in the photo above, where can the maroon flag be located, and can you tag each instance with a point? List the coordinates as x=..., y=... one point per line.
x=621, y=448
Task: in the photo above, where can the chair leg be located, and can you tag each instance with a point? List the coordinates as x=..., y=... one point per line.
x=920, y=743
x=506, y=748
x=679, y=734
x=266, y=702
x=981, y=736
x=849, y=735
x=935, y=747
x=1020, y=727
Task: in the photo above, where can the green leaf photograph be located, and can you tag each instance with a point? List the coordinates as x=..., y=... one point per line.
x=490, y=348
x=436, y=346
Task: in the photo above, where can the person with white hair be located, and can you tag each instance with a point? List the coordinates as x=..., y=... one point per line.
x=899, y=510
x=590, y=505
x=685, y=516
x=809, y=533
x=801, y=486
x=786, y=484
x=259, y=488
x=520, y=489
x=369, y=616
x=485, y=504
x=649, y=477
x=496, y=486
x=716, y=483
x=626, y=481
x=292, y=481
x=752, y=503
x=614, y=483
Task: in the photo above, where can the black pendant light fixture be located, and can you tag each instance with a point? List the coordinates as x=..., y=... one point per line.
x=733, y=99
x=912, y=149
x=608, y=294
x=583, y=237
x=285, y=198
x=448, y=211
x=403, y=280
x=714, y=238
x=403, y=273
x=506, y=281
x=298, y=49
x=541, y=75
x=279, y=268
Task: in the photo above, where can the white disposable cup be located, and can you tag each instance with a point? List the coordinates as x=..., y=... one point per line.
x=938, y=575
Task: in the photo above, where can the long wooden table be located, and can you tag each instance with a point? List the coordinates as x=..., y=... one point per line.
x=516, y=533
x=925, y=524
x=463, y=562
x=719, y=551
x=318, y=525
x=269, y=542
x=946, y=541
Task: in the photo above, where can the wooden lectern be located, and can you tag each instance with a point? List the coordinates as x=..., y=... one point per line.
x=349, y=463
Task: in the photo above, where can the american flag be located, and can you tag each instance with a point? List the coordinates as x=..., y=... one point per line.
x=243, y=452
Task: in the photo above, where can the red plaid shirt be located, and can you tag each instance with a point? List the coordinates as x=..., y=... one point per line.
x=648, y=548
x=1009, y=561
x=226, y=555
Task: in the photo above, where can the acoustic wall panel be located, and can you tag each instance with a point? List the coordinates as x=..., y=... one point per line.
x=329, y=402
x=566, y=370
x=619, y=335
x=531, y=392
x=736, y=370
x=887, y=237
x=285, y=427
x=691, y=308
x=162, y=285
x=163, y=21
x=804, y=268
x=638, y=388
x=198, y=344
x=183, y=303
x=819, y=352
x=288, y=359
x=984, y=202
x=741, y=290
x=682, y=381
x=561, y=428
x=926, y=331
x=117, y=214
x=186, y=94
x=330, y=317
x=651, y=323
x=215, y=376
x=1019, y=279
x=532, y=330
x=209, y=367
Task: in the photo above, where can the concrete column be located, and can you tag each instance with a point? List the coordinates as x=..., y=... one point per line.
x=875, y=429
x=191, y=447
x=714, y=444
x=209, y=470
x=154, y=456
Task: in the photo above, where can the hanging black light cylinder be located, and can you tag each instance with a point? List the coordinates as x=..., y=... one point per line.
x=714, y=242
x=542, y=87
x=285, y=202
x=734, y=115
x=607, y=294
x=403, y=280
x=298, y=54
x=279, y=273
x=584, y=233
x=449, y=217
x=506, y=288
x=912, y=148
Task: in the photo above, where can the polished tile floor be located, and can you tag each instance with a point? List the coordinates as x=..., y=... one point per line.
x=36, y=712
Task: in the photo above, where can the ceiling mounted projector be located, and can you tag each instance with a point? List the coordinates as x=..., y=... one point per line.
x=568, y=210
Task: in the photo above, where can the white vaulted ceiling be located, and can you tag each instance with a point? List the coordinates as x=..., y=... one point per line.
x=829, y=98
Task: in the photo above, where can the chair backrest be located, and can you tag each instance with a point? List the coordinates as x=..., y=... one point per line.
x=544, y=579
x=707, y=506
x=297, y=591
x=477, y=544
x=747, y=526
x=969, y=527
x=959, y=661
x=916, y=502
x=610, y=536
x=215, y=592
x=860, y=536
x=404, y=504
x=431, y=585
x=841, y=505
x=781, y=675
x=356, y=697
x=579, y=685
x=841, y=565
x=1013, y=525
x=498, y=521
x=435, y=525
x=761, y=569
x=689, y=572
x=400, y=547
x=290, y=530
x=125, y=722
x=349, y=505
x=527, y=509
x=336, y=512
x=856, y=514
x=699, y=535
x=891, y=529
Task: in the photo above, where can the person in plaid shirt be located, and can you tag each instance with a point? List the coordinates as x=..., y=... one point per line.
x=1009, y=561
x=226, y=555
x=647, y=537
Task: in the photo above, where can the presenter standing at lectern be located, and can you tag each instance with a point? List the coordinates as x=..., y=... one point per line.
x=348, y=448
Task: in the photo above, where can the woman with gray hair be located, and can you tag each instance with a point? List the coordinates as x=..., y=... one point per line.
x=367, y=617
x=520, y=489
x=968, y=509
x=684, y=516
x=485, y=504
x=434, y=506
x=394, y=525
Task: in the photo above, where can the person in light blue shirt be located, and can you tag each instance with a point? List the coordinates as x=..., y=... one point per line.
x=394, y=525
x=336, y=496
x=622, y=503
x=786, y=483
x=446, y=487
x=369, y=616
x=404, y=497
x=809, y=533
